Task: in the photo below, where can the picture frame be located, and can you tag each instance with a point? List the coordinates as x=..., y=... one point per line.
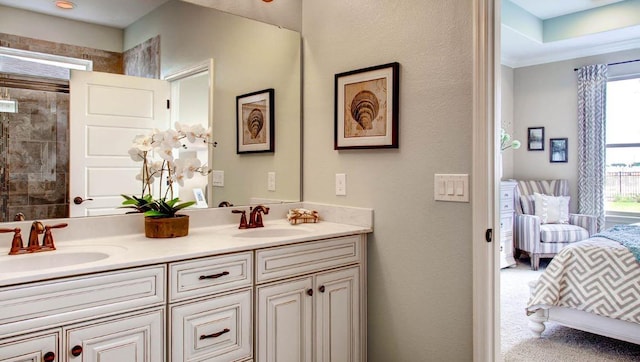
x=535, y=139
x=201, y=201
x=558, y=150
x=255, y=117
x=366, y=108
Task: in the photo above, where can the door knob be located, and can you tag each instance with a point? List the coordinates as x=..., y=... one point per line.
x=78, y=200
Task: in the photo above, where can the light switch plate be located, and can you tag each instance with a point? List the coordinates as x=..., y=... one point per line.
x=271, y=181
x=217, y=178
x=341, y=184
x=451, y=187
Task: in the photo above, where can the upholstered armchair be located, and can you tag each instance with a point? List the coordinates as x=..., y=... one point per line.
x=543, y=233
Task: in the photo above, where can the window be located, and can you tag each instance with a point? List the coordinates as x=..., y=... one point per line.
x=622, y=190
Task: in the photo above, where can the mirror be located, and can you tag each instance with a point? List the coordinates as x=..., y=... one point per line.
x=249, y=56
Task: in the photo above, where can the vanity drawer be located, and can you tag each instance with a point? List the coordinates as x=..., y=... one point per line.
x=190, y=279
x=215, y=329
x=51, y=303
x=291, y=260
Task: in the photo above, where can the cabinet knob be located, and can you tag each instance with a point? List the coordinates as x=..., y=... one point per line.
x=49, y=357
x=310, y=292
x=76, y=351
x=321, y=289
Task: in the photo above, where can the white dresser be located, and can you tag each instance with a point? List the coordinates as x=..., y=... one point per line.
x=507, y=211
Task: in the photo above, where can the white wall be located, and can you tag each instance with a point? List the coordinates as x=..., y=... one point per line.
x=52, y=28
x=420, y=277
x=506, y=107
x=546, y=96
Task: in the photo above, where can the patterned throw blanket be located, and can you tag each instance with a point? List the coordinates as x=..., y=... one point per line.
x=627, y=235
x=597, y=275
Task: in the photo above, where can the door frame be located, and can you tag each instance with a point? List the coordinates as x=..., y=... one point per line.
x=204, y=66
x=486, y=106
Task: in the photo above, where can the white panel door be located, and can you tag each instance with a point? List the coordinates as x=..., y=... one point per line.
x=338, y=316
x=284, y=324
x=106, y=112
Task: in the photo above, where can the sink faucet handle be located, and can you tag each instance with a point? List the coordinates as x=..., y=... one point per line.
x=47, y=242
x=36, y=229
x=17, y=247
x=243, y=218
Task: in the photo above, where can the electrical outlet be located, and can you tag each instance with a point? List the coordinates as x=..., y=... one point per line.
x=341, y=184
x=271, y=181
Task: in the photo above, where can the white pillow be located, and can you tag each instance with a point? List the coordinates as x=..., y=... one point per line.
x=552, y=209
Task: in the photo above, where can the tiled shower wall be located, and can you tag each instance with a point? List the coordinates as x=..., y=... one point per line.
x=38, y=155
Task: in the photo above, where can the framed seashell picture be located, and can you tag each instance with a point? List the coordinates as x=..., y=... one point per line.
x=366, y=108
x=255, y=122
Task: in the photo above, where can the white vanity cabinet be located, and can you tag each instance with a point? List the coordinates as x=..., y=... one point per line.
x=310, y=301
x=36, y=347
x=211, y=316
x=94, y=314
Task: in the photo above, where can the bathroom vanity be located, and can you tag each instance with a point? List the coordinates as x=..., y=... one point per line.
x=278, y=293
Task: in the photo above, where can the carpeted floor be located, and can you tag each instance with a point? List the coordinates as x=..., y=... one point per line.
x=558, y=343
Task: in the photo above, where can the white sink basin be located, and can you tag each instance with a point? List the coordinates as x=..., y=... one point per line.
x=267, y=232
x=53, y=259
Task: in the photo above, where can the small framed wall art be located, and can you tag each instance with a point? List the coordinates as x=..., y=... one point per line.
x=255, y=122
x=535, y=139
x=558, y=150
x=366, y=108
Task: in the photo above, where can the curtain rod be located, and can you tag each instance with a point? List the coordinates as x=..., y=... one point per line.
x=616, y=63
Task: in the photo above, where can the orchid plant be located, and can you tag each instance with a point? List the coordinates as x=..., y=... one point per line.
x=166, y=169
x=507, y=142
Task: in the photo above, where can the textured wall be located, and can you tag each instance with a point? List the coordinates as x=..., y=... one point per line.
x=420, y=277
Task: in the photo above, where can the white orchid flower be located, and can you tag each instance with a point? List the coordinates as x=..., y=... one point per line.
x=136, y=154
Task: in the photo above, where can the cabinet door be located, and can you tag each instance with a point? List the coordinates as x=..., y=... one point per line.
x=37, y=347
x=131, y=338
x=337, y=316
x=284, y=330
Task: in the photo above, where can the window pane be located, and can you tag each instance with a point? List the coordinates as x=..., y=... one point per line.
x=623, y=111
x=622, y=191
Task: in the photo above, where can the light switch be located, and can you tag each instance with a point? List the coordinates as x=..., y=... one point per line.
x=217, y=178
x=451, y=187
x=271, y=181
x=341, y=184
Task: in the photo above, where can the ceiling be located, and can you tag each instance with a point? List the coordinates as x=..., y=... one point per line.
x=113, y=13
x=519, y=48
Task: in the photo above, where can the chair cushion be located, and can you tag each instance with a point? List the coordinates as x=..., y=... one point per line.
x=552, y=209
x=562, y=233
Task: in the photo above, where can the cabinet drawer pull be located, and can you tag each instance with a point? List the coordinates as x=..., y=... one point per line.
x=76, y=351
x=49, y=357
x=214, y=335
x=214, y=276
x=321, y=289
x=310, y=292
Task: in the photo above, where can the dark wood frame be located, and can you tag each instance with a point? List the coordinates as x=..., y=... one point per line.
x=565, y=150
x=267, y=95
x=391, y=72
x=529, y=139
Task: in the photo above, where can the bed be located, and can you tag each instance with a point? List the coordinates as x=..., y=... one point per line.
x=592, y=285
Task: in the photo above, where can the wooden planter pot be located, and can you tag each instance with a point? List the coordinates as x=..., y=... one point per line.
x=166, y=227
